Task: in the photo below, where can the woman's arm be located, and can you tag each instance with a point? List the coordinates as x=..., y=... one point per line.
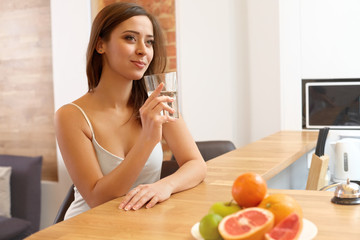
x=191, y=172
x=192, y=169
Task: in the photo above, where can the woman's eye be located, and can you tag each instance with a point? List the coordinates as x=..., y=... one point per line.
x=150, y=42
x=130, y=38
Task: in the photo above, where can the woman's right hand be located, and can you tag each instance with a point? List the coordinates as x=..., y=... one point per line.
x=151, y=117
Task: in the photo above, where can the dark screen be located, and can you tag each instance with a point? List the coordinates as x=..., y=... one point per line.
x=334, y=105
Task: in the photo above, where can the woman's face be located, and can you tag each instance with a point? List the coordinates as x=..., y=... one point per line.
x=129, y=51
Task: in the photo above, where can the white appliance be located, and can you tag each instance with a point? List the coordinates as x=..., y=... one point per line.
x=346, y=159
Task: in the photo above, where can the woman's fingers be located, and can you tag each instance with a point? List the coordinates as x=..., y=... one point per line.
x=161, y=101
x=152, y=202
x=154, y=100
x=161, y=107
x=128, y=197
x=136, y=202
x=131, y=199
x=154, y=94
x=145, y=195
x=143, y=200
x=155, y=107
x=136, y=198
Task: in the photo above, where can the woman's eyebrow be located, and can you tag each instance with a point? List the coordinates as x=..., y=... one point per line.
x=137, y=33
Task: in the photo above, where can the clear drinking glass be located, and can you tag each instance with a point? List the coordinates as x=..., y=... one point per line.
x=170, y=89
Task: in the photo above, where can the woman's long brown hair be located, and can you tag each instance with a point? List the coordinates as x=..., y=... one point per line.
x=104, y=23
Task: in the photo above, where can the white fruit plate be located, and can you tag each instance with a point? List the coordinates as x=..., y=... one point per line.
x=309, y=231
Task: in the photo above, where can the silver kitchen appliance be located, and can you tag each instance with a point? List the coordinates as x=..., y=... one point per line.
x=346, y=193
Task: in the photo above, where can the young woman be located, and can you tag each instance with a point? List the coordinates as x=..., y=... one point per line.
x=110, y=137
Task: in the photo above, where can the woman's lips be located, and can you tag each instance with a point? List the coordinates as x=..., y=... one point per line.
x=139, y=64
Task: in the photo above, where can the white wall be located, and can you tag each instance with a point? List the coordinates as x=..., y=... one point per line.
x=228, y=54
x=290, y=64
x=330, y=38
x=70, y=25
x=207, y=69
x=264, y=60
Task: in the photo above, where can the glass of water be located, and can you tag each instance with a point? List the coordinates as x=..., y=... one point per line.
x=170, y=89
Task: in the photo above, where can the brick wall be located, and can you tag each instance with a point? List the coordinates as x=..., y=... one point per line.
x=164, y=10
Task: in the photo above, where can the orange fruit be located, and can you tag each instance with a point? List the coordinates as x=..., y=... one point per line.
x=288, y=229
x=249, y=189
x=249, y=223
x=281, y=206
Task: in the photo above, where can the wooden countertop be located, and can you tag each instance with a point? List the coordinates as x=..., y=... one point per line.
x=267, y=156
x=174, y=218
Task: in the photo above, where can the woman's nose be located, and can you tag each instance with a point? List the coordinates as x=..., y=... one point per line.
x=140, y=50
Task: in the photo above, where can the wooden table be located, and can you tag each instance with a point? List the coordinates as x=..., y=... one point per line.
x=174, y=218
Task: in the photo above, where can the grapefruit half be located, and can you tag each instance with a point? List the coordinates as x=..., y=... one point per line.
x=250, y=223
x=288, y=229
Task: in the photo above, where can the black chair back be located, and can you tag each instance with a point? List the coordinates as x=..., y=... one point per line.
x=208, y=150
x=69, y=198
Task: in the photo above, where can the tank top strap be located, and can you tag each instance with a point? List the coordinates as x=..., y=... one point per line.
x=85, y=116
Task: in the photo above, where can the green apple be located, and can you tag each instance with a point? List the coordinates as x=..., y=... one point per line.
x=208, y=227
x=224, y=208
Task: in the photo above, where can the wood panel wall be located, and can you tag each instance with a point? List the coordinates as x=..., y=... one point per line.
x=26, y=85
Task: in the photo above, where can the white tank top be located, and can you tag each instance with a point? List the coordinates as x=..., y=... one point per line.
x=108, y=161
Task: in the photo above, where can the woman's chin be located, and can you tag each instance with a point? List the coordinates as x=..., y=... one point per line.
x=138, y=76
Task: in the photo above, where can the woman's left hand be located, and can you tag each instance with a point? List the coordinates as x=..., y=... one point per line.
x=148, y=195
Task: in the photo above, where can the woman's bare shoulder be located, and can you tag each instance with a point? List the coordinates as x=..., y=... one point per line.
x=67, y=112
x=71, y=109
x=71, y=118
